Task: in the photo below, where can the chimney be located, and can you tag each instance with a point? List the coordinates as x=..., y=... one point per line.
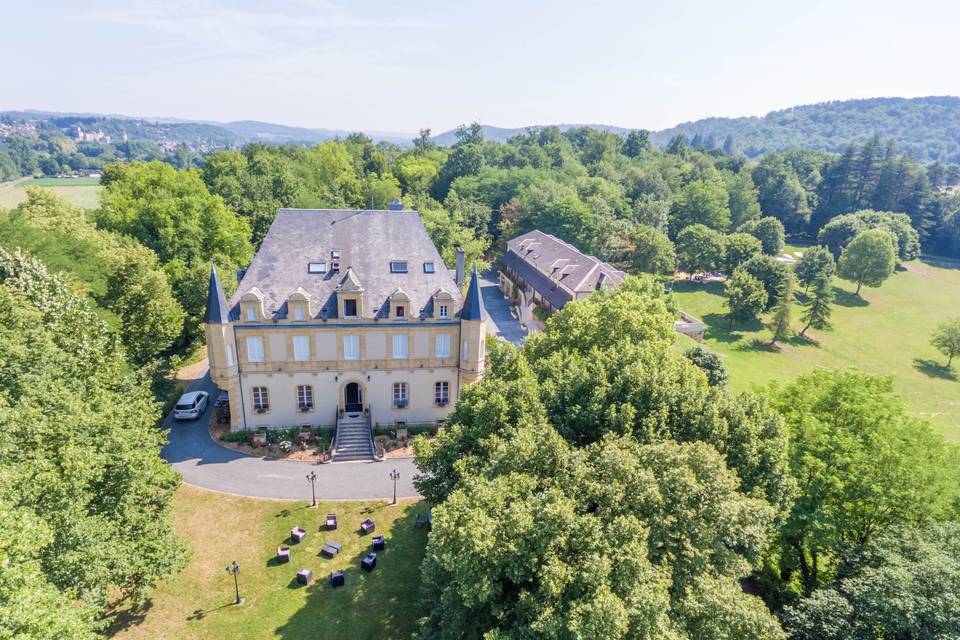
x=395, y=205
x=460, y=260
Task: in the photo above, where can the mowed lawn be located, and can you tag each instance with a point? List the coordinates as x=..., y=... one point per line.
x=887, y=331
x=82, y=192
x=198, y=602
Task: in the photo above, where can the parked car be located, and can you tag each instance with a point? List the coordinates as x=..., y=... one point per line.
x=190, y=405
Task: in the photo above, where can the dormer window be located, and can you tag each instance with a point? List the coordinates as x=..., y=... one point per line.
x=398, y=266
x=298, y=305
x=349, y=308
x=317, y=267
x=251, y=305
x=401, y=311
x=442, y=304
x=428, y=267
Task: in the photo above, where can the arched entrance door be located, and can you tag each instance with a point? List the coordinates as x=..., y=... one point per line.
x=352, y=398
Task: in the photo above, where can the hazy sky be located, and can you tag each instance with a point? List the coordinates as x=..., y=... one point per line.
x=399, y=66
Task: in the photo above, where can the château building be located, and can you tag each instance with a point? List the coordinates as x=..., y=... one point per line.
x=345, y=312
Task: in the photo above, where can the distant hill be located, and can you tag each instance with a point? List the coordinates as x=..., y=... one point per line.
x=197, y=134
x=502, y=134
x=925, y=128
x=251, y=130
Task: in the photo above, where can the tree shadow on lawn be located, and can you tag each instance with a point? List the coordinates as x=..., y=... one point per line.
x=846, y=299
x=720, y=329
x=940, y=262
x=933, y=369
x=125, y=615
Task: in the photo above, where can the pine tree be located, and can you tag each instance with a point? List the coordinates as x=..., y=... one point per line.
x=816, y=312
x=782, y=311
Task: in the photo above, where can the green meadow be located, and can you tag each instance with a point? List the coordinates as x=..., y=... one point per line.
x=886, y=331
x=82, y=192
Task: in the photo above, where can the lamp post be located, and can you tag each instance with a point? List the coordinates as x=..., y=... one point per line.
x=312, y=479
x=235, y=570
x=394, y=475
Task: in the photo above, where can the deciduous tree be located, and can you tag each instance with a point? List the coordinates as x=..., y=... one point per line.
x=947, y=339
x=869, y=259
x=814, y=264
x=746, y=297
x=700, y=248
x=861, y=465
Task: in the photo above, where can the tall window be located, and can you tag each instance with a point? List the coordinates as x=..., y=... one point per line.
x=254, y=348
x=251, y=314
x=298, y=313
x=464, y=351
x=441, y=393
x=401, y=311
x=230, y=361
x=400, y=346
x=301, y=348
x=261, y=399
x=444, y=311
x=350, y=308
x=351, y=347
x=304, y=397
x=443, y=345
x=400, y=397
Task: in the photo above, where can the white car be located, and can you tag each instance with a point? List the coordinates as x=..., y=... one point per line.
x=190, y=405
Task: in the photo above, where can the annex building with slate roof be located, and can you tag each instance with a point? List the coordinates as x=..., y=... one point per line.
x=541, y=270
x=345, y=313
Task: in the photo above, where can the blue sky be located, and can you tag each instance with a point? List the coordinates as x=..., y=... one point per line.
x=399, y=66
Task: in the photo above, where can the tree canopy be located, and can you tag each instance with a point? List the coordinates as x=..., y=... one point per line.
x=80, y=451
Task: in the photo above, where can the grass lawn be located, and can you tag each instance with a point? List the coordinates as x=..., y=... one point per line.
x=220, y=528
x=82, y=192
x=887, y=331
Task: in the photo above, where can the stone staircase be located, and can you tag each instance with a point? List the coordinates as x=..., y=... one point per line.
x=354, y=439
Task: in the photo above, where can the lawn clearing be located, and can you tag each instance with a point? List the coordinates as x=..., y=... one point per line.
x=220, y=528
x=888, y=331
x=82, y=192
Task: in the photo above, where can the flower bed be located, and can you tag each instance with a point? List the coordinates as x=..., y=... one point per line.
x=291, y=444
x=397, y=442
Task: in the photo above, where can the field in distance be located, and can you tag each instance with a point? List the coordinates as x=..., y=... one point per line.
x=82, y=192
x=887, y=331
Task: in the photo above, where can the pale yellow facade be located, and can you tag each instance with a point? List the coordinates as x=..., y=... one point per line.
x=434, y=353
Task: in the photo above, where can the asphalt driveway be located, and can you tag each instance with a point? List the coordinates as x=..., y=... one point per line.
x=204, y=463
x=502, y=322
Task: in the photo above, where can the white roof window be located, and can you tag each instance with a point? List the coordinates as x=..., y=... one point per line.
x=317, y=267
x=428, y=267
x=398, y=266
x=335, y=254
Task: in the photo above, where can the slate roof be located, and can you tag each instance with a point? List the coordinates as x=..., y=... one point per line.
x=473, y=304
x=367, y=241
x=547, y=288
x=560, y=265
x=217, y=310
